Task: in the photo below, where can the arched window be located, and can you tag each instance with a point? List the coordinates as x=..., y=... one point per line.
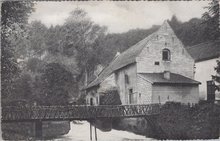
x=166, y=55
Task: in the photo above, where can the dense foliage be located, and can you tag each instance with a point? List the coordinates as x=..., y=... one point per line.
x=211, y=18
x=216, y=78
x=54, y=85
x=14, y=21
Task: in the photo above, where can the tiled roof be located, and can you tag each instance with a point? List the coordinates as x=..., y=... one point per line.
x=124, y=59
x=205, y=51
x=158, y=78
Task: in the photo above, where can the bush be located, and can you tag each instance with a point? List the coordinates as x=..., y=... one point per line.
x=110, y=97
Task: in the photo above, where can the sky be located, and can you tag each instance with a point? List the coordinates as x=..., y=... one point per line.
x=120, y=16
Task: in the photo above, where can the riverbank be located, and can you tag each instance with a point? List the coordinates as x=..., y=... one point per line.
x=176, y=121
x=26, y=130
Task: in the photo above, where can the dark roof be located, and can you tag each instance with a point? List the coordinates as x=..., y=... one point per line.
x=157, y=78
x=124, y=59
x=205, y=51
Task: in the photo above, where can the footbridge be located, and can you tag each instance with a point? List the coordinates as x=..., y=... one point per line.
x=76, y=112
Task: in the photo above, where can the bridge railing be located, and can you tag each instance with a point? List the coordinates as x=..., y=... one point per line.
x=80, y=112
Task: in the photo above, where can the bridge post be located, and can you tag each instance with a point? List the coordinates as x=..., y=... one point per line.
x=210, y=91
x=95, y=134
x=90, y=132
x=38, y=129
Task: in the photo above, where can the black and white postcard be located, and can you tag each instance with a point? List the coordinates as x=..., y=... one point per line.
x=110, y=70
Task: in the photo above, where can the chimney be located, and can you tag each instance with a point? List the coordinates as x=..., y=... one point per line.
x=166, y=75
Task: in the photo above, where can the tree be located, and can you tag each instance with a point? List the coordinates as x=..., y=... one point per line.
x=107, y=46
x=14, y=20
x=54, y=85
x=211, y=18
x=35, y=65
x=23, y=87
x=37, y=33
x=216, y=78
x=81, y=34
x=53, y=39
x=191, y=32
x=174, y=22
x=63, y=52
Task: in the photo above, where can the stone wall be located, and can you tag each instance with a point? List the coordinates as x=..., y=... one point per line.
x=144, y=90
x=124, y=86
x=181, y=62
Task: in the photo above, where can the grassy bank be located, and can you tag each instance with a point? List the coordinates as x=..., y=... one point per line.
x=176, y=121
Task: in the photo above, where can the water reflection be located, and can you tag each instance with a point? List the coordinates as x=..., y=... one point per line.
x=81, y=132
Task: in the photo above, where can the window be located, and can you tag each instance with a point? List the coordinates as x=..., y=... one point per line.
x=126, y=79
x=131, y=97
x=157, y=63
x=166, y=55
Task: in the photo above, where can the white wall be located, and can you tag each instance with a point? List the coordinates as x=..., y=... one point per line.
x=203, y=72
x=123, y=86
x=183, y=94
